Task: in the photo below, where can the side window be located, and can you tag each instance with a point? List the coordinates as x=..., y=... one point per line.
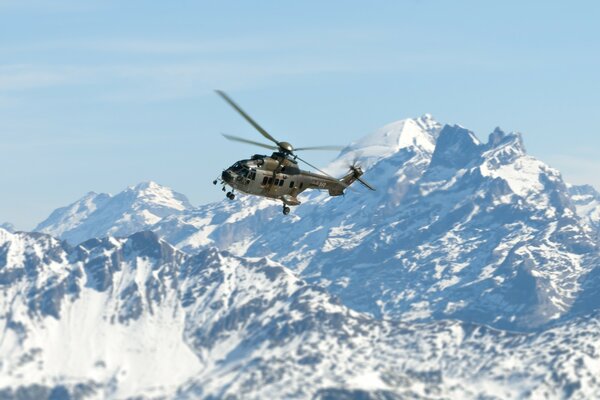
x=253, y=175
x=281, y=182
x=301, y=184
x=270, y=180
x=276, y=182
x=291, y=184
x=265, y=179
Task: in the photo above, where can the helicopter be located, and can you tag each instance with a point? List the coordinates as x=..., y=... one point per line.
x=278, y=176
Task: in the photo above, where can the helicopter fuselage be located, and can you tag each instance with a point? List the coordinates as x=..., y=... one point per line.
x=278, y=177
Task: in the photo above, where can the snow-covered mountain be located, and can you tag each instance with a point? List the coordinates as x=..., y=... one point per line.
x=98, y=215
x=458, y=228
x=134, y=317
x=461, y=229
x=472, y=272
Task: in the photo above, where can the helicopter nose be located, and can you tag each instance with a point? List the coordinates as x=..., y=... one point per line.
x=226, y=176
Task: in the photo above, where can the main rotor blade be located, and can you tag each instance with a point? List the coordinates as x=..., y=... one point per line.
x=246, y=117
x=337, y=148
x=239, y=139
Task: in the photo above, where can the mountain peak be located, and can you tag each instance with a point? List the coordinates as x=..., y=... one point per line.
x=97, y=215
x=498, y=138
x=146, y=185
x=419, y=132
x=152, y=192
x=455, y=147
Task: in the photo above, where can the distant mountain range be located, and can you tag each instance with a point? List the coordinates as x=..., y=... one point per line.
x=135, y=209
x=471, y=272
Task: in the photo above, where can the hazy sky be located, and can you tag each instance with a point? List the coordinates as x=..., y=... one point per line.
x=99, y=95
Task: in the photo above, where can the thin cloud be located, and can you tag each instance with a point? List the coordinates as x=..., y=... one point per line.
x=173, y=79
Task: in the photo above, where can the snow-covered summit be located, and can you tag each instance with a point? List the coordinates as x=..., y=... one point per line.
x=420, y=132
x=415, y=133
x=152, y=193
x=96, y=215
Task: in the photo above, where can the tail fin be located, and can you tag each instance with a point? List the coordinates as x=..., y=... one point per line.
x=355, y=175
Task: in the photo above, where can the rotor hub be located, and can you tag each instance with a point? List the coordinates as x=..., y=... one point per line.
x=286, y=147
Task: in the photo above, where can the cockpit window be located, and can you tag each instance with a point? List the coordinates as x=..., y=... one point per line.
x=236, y=167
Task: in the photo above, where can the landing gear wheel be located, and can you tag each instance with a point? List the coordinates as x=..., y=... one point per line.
x=286, y=210
x=230, y=196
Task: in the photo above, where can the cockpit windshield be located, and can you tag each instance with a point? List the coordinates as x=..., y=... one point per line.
x=236, y=167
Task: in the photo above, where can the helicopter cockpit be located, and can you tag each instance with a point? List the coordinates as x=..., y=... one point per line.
x=240, y=172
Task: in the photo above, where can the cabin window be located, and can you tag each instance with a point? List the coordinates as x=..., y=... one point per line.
x=265, y=180
x=291, y=184
x=301, y=184
x=270, y=180
x=276, y=182
x=281, y=182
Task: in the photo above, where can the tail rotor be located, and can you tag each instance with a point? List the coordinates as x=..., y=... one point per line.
x=358, y=172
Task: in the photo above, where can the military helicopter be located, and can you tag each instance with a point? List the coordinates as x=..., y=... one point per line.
x=278, y=177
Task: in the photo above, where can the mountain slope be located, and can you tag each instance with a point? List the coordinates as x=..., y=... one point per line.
x=96, y=215
x=114, y=318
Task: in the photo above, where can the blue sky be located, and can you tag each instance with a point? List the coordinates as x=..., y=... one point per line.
x=99, y=95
